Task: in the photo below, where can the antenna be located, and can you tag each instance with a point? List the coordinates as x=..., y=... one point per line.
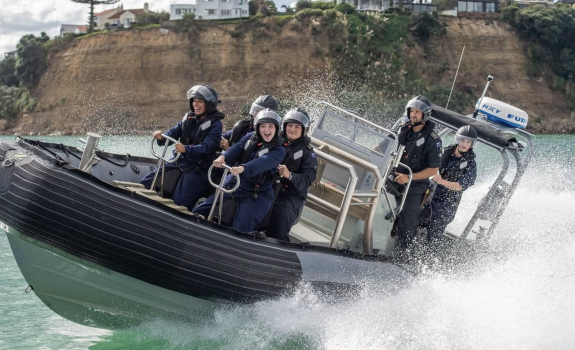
x=455, y=78
x=489, y=79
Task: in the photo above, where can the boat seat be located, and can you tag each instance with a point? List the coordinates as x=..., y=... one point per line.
x=140, y=189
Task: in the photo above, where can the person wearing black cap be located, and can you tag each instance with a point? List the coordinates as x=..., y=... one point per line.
x=297, y=171
x=247, y=125
x=457, y=172
x=422, y=155
x=199, y=133
x=255, y=158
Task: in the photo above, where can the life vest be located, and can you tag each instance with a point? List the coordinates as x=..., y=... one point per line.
x=414, y=148
x=294, y=155
x=241, y=129
x=454, y=173
x=190, y=121
x=254, y=146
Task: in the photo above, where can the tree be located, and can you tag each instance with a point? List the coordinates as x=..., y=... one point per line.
x=345, y=8
x=288, y=9
x=266, y=8
x=31, y=61
x=8, y=72
x=91, y=13
x=302, y=5
x=9, y=102
x=151, y=18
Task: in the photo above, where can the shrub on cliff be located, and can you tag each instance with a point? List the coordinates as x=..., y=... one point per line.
x=151, y=18
x=308, y=13
x=345, y=8
x=550, y=34
x=8, y=72
x=9, y=102
x=263, y=7
x=31, y=61
x=425, y=24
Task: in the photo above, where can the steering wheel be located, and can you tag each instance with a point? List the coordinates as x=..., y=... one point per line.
x=163, y=156
x=220, y=185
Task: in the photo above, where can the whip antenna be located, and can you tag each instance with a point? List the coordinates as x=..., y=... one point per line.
x=489, y=79
x=455, y=78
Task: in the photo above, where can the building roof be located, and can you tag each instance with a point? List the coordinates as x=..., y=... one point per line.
x=136, y=12
x=104, y=12
x=487, y=1
x=69, y=28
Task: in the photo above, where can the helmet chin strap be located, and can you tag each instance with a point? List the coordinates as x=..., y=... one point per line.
x=421, y=122
x=461, y=152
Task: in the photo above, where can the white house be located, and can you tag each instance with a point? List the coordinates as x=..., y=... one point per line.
x=382, y=5
x=119, y=16
x=73, y=29
x=211, y=9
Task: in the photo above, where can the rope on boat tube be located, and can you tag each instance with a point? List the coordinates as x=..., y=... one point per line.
x=28, y=289
x=8, y=163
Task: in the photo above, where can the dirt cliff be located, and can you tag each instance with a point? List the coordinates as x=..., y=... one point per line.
x=492, y=48
x=134, y=81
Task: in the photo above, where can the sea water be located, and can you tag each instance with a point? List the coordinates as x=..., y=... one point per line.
x=519, y=296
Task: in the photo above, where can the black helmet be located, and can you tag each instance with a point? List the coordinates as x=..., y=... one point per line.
x=422, y=103
x=297, y=115
x=466, y=133
x=206, y=93
x=263, y=102
x=267, y=116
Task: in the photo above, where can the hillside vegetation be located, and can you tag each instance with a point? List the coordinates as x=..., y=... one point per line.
x=134, y=81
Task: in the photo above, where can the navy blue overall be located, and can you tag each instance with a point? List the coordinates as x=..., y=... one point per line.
x=255, y=179
x=462, y=170
x=202, y=140
x=301, y=161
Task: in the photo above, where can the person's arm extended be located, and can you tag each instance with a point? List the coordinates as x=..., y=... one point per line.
x=453, y=186
x=421, y=175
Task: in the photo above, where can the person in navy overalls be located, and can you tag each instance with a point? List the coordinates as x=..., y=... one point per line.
x=247, y=125
x=457, y=173
x=297, y=172
x=255, y=158
x=422, y=155
x=199, y=133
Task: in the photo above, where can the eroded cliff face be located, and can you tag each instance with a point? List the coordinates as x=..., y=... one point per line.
x=492, y=48
x=130, y=82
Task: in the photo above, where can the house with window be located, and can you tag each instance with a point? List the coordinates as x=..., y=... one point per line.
x=73, y=29
x=211, y=9
x=100, y=19
x=465, y=7
x=10, y=54
x=530, y=3
x=382, y=5
x=567, y=2
x=120, y=17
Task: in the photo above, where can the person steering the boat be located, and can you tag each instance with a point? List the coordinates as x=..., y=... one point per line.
x=256, y=156
x=457, y=172
x=297, y=171
x=247, y=125
x=422, y=155
x=199, y=133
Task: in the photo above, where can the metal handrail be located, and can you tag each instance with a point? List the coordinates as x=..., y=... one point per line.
x=220, y=190
x=349, y=193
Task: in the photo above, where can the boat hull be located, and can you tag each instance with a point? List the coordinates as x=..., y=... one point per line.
x=92, y=295
x=107, y=257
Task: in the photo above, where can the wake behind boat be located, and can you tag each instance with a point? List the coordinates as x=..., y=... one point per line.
x=101, y=250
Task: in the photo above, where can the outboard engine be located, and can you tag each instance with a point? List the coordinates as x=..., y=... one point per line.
x=502, y=113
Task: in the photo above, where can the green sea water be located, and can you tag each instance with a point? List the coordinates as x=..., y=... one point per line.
x=521, y=298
